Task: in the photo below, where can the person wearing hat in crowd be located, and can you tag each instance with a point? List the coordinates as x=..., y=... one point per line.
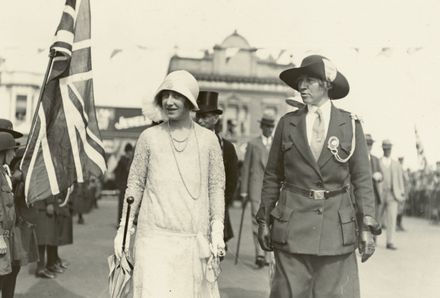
x=177, y=181
x=376, y=171
x=307, y=216
x=252, y=173
x=8, y=273
x=208, y=116
x=20, y=255
x=393, y=192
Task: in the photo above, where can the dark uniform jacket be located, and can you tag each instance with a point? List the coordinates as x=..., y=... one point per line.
x=7, y=221
x=301, y=224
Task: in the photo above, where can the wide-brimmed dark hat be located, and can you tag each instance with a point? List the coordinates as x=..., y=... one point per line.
x=6, y=126
x=7, y=141
x=208, y=102
x=322, y=68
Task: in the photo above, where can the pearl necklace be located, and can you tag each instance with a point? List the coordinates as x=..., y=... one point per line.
x=173, y=148
x=185, y=140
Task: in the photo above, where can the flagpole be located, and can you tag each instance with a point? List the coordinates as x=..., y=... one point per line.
x=34, y=118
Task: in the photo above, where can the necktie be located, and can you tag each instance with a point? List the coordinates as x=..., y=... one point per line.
x=317, y=134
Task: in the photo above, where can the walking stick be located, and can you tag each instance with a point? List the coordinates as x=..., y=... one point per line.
x=130, y=201
x=245, y=202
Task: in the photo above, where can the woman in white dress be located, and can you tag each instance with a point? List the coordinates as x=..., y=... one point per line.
x=177, y=180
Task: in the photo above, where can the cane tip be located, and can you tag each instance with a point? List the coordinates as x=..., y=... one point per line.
x=130, y=200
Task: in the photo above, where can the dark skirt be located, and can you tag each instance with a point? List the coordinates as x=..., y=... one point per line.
x=46, y=228
x=65, y=226
x=82, y=199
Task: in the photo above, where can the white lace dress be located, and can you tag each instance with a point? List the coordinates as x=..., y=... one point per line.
x=172, y=234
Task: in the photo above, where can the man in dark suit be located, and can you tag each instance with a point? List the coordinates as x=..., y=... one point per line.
x=377, y=174
x=121, y=175
x=252, y=174
x=307, y=215
x=208, y=116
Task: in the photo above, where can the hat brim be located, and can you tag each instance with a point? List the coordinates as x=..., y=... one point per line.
x=14, y=133
x=267, y=123
x=340, y=86
x=9, y=148
x=215, y=111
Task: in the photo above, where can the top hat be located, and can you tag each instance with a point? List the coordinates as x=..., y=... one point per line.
x=7, y=141
x=208, y=102
x=369, y=139
x=182, y=82
x=319, y=67
x=267, y=119
x=386, y=144
x=6, y=126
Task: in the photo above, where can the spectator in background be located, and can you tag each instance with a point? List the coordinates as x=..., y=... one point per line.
x=8, y=272
x=208, y=117
x=121, y=175
x=254, y=164
x=376, y=173
x=393, y=191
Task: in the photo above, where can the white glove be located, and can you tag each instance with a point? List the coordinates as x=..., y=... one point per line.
x=377, y=176
x=119, y=239
x=217, y=242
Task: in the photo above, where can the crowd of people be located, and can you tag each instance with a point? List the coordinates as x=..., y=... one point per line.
x=316, y=194
x=32, y=233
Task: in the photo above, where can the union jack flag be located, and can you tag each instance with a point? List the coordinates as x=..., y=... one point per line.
x=64, y=144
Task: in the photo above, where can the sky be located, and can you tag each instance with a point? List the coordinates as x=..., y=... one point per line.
x=388, y=50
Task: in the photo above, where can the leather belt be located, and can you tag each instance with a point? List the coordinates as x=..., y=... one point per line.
x=315, y=194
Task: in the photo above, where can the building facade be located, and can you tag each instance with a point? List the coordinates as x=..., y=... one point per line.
x=247, y=84
x=19, y=91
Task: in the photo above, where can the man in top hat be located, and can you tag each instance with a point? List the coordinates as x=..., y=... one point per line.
x=376, y=171
x=307, y=216
x=208, y=116
x=393, y=191
x=254, y=164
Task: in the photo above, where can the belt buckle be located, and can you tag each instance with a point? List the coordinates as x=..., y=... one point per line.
x=318, y=194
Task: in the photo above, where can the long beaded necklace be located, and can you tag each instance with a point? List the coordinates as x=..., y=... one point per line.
x=173, y=148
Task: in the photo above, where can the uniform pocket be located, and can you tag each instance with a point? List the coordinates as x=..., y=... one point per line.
x=348, y=226
x=280, y=231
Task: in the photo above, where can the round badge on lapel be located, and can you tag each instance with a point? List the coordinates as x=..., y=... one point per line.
x=333, y=143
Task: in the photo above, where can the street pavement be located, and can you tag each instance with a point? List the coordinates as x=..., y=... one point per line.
x=412, y=271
